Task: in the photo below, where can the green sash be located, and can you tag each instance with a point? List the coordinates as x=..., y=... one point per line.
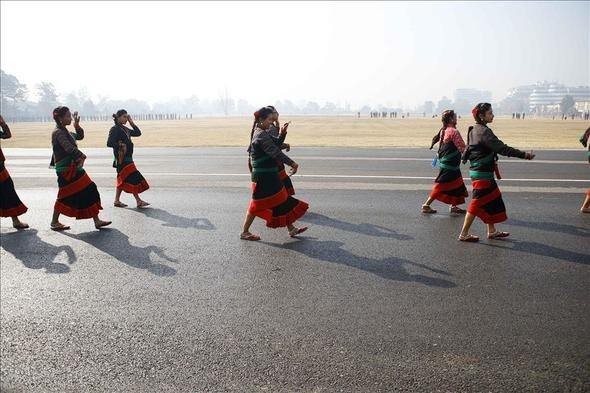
x=64, y=165
x=481, y=175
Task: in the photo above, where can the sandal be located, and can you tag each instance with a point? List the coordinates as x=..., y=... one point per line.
x=297, y=231
x=469, y=239
x=428, y=210
x=142, y=204
x=586, y=210
x=457, y=210
x=21, y=225
x=102, y=224
x=249, y=236
x=498, y=235
x=119, y=204
x=59, y=227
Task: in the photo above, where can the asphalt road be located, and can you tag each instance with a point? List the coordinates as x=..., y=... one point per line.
x=374, y=297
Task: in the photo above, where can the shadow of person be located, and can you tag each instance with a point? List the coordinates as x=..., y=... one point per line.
x=175, y=221
x=551, y=227
x=543, y=250
x=364, y=228
x=116, y=244
x=389, y=268
x=34, y=253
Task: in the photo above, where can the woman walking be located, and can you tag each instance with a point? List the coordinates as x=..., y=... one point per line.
x=78, y=196
x=280, y=133
x=448, y=186
x=10, y=204
x=483, y=147
x=270, y=200
x=585, y=140
x=129, y=179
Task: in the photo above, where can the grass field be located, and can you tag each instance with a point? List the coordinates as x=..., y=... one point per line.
x=314, y=131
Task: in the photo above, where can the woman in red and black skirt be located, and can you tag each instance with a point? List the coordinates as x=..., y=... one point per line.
x=585, y=139
x=10, y=204
x=78, y=196
x=281, y=134
x=483, y=147
x=270, y=200
x=129, y=179
x=448, y=186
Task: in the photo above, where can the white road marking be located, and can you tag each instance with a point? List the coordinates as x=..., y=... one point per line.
x=314, y=176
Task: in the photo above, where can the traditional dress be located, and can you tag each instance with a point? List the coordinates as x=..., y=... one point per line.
x=585, y=139
x=270, y=199
x=129, y=179
x=10, y=203
x=448, y=185
x=285, y=178
x=78, y=196
x=482, y=152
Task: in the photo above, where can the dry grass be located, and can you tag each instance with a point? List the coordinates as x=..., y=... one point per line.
x=314, y=131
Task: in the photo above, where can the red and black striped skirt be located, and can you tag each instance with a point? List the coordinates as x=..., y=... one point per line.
x=10, y=203
x=130, y=180
x=271, y=202
x=449, y=187
x=78, y=196
x=487, y=202
x=285, y=178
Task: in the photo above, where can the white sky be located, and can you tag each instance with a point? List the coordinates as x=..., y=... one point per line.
x=361, y=53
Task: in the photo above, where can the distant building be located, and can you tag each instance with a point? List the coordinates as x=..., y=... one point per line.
x=542, y=98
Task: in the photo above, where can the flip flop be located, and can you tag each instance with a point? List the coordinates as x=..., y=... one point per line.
x=457, y=210
x=60, y=227
x=428, y=210
x=21, y=225
x=250, y=237
x=119, y=204
x=103, y=224
x=468, y=239
x=142, y=205
x=498, y=235
x=297, y=231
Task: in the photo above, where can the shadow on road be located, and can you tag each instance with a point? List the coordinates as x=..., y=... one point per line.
x=544, y=250
x=34, y=253
x=389, y=268
x=173, y=220
x=116, y=244
x=364, y=228
x=551, y=227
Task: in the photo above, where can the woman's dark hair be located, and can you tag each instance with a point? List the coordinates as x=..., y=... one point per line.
x=58, y=113
x=120, y=112
x=260, y=114
x=446, y=118
x=479, y=110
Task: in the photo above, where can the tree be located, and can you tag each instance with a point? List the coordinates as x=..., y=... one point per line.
x=12, y=93
x=329, y=108
x=567, y=104
x=47, y=98
x=311, y=108
x=444, y=104
x=88, y=108
x=226, y=103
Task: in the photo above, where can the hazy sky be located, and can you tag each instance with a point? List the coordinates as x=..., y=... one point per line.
x=381, y=52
